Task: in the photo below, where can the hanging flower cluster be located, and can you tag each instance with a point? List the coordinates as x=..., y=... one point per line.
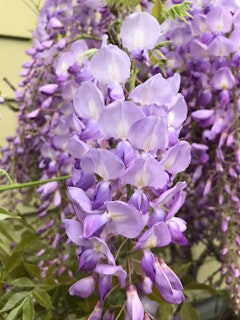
x=207, y=51
x=127, y=154
x=38, y=151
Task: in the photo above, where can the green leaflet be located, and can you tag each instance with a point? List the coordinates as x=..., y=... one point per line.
x=28, y=310
x=128, y=4
x=178, y=11
x=188, y=312
x=4, y=214
x=14, y=300
x=42, y=298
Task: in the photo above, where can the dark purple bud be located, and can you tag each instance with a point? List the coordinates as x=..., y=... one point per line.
x=102, y=193
x=224, y=97
x=91, y=131
x=104, y=286
x=88, y=260
x=140, y=201
x=126, y=153
x=205, y=97
x=147, y=264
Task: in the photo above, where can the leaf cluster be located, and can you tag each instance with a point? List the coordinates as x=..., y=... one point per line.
x=177, y=11
x=124, y=4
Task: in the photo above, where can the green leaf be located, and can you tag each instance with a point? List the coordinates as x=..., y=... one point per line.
x=4, y=247
x=157, y=9
x=199, y=286
x=13, y=262
x=123, y=3
x=4, y=214
x=22, y=282
x=180, y=10
x=7, y=232
x=165, y=310
x=32, y=269
x=43, y=298
x=49, y=315
x=14, y=300
x=181, y=269
x=188, y=312
x=26, y=242
x=48, y=284
x=28, y=310
x=15, y=312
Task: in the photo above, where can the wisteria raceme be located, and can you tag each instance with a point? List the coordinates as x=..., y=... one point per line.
x=50, y=79
x=123, y=191
x=207, y=50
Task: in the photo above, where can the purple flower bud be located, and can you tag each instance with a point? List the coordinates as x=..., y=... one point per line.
x=140, y=201
x=54, y=23
x=97, y=312
x=49, y=89
x=83, y=288
x=167, y=282
x=126, y=153
x=134, y=304
x=87, y=260
x=108, y=315
x=102, y=193
x=104, y=286
x=147, y=264
x=145, y=285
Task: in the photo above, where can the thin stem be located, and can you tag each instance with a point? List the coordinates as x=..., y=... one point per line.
x=119, y=249
x=115, y=287
x=9, y=84
x=4, y=173
x=129, y=271
x=133, y=77
x=120, y=312
x=30, y=7
x=31, y=183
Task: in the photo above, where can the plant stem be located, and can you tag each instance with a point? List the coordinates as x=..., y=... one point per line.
x=31, y=183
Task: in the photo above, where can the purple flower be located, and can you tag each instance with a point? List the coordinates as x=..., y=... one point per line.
x=163, y=277
x=140, y=30
x=134, y=305
x=83, y=288
x=110, y=64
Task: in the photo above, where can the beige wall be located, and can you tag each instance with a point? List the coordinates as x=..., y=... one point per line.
x=17, y=21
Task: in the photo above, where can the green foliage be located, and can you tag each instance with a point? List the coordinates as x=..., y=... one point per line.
x=125, y=4
x=4, y=214
x=178, y=11
x=28, y=310
x=188, y=312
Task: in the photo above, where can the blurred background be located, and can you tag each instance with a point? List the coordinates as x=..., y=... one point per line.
x=16, y=28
